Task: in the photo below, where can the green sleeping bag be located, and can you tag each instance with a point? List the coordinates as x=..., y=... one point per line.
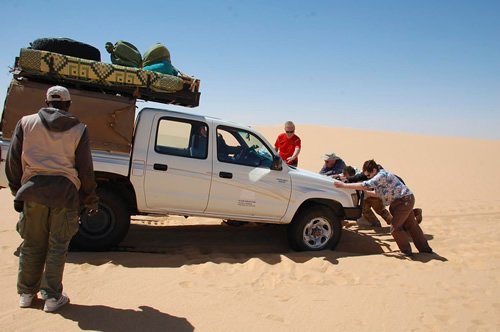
x=155, y=54
x=124, y=53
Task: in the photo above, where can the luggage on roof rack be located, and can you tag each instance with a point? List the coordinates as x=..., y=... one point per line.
x=67, y=46
x=80, y=73
x=156, y=54
x=124, y=53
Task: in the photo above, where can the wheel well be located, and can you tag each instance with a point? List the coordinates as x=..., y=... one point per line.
x=333, y=206
x=119, y=185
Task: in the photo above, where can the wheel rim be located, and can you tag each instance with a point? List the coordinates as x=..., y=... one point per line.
x=317, y=233
x=99, y=225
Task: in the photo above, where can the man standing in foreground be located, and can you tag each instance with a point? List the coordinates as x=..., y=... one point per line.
x=288, y=145
x=49, y=167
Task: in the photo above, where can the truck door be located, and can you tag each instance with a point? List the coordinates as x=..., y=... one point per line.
x=178, y=166
x=243, y=183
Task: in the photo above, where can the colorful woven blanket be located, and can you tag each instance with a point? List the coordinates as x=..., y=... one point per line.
x=55, y=65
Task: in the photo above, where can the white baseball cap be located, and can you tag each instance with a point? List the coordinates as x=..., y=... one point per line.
x=58, y=93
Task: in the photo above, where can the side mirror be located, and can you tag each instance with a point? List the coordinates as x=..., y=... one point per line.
x=277, y=164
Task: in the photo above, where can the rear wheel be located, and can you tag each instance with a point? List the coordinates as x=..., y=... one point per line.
x=314, y=229
x=105, y=229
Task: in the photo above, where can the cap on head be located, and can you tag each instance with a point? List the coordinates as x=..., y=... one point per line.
x=58, y=93
x=330, y=156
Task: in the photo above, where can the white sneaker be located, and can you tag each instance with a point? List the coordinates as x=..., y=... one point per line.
x=25, y=300
x=52, y=304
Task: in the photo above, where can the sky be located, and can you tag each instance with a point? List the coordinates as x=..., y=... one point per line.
x=428, y=67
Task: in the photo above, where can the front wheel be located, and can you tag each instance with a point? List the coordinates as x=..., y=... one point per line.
x=314, y=229
x=106, y=228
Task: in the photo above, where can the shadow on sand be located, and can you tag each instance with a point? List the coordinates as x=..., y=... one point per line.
x=103, y=318
x=177, y=246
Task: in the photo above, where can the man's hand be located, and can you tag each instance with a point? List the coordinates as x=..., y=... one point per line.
x=339, y=177
x=339, y=184
x=289, y=159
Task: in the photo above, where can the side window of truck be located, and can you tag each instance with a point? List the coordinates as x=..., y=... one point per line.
x=183, y=138
x=237, y=146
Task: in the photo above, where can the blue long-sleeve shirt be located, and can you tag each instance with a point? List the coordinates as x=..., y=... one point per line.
x=337, y=168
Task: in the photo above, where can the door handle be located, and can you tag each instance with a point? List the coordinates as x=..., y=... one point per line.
x=160, y=167
x=226, y=175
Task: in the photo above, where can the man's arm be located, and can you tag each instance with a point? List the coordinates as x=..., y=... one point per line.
x=294, y=155
x=365, y=185
x=85, y=168
x=355, y=186
x=357, y=178
x=13, y=164
x=326, y=171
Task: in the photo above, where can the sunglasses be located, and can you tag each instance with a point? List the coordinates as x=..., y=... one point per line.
x=289, y=131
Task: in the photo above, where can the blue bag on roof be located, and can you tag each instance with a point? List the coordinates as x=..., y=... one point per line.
x=164, y=67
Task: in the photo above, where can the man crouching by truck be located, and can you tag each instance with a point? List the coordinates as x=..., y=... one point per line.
x=49, y=167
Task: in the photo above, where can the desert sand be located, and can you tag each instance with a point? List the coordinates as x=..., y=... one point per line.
x=172, y=274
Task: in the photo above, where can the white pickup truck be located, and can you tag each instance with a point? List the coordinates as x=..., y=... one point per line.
x=192, y=165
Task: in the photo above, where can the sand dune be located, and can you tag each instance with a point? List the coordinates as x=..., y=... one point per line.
x=210, y=277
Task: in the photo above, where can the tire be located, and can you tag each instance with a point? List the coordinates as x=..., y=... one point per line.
x=107, y=228
x=314, y=229
x=67, y=46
